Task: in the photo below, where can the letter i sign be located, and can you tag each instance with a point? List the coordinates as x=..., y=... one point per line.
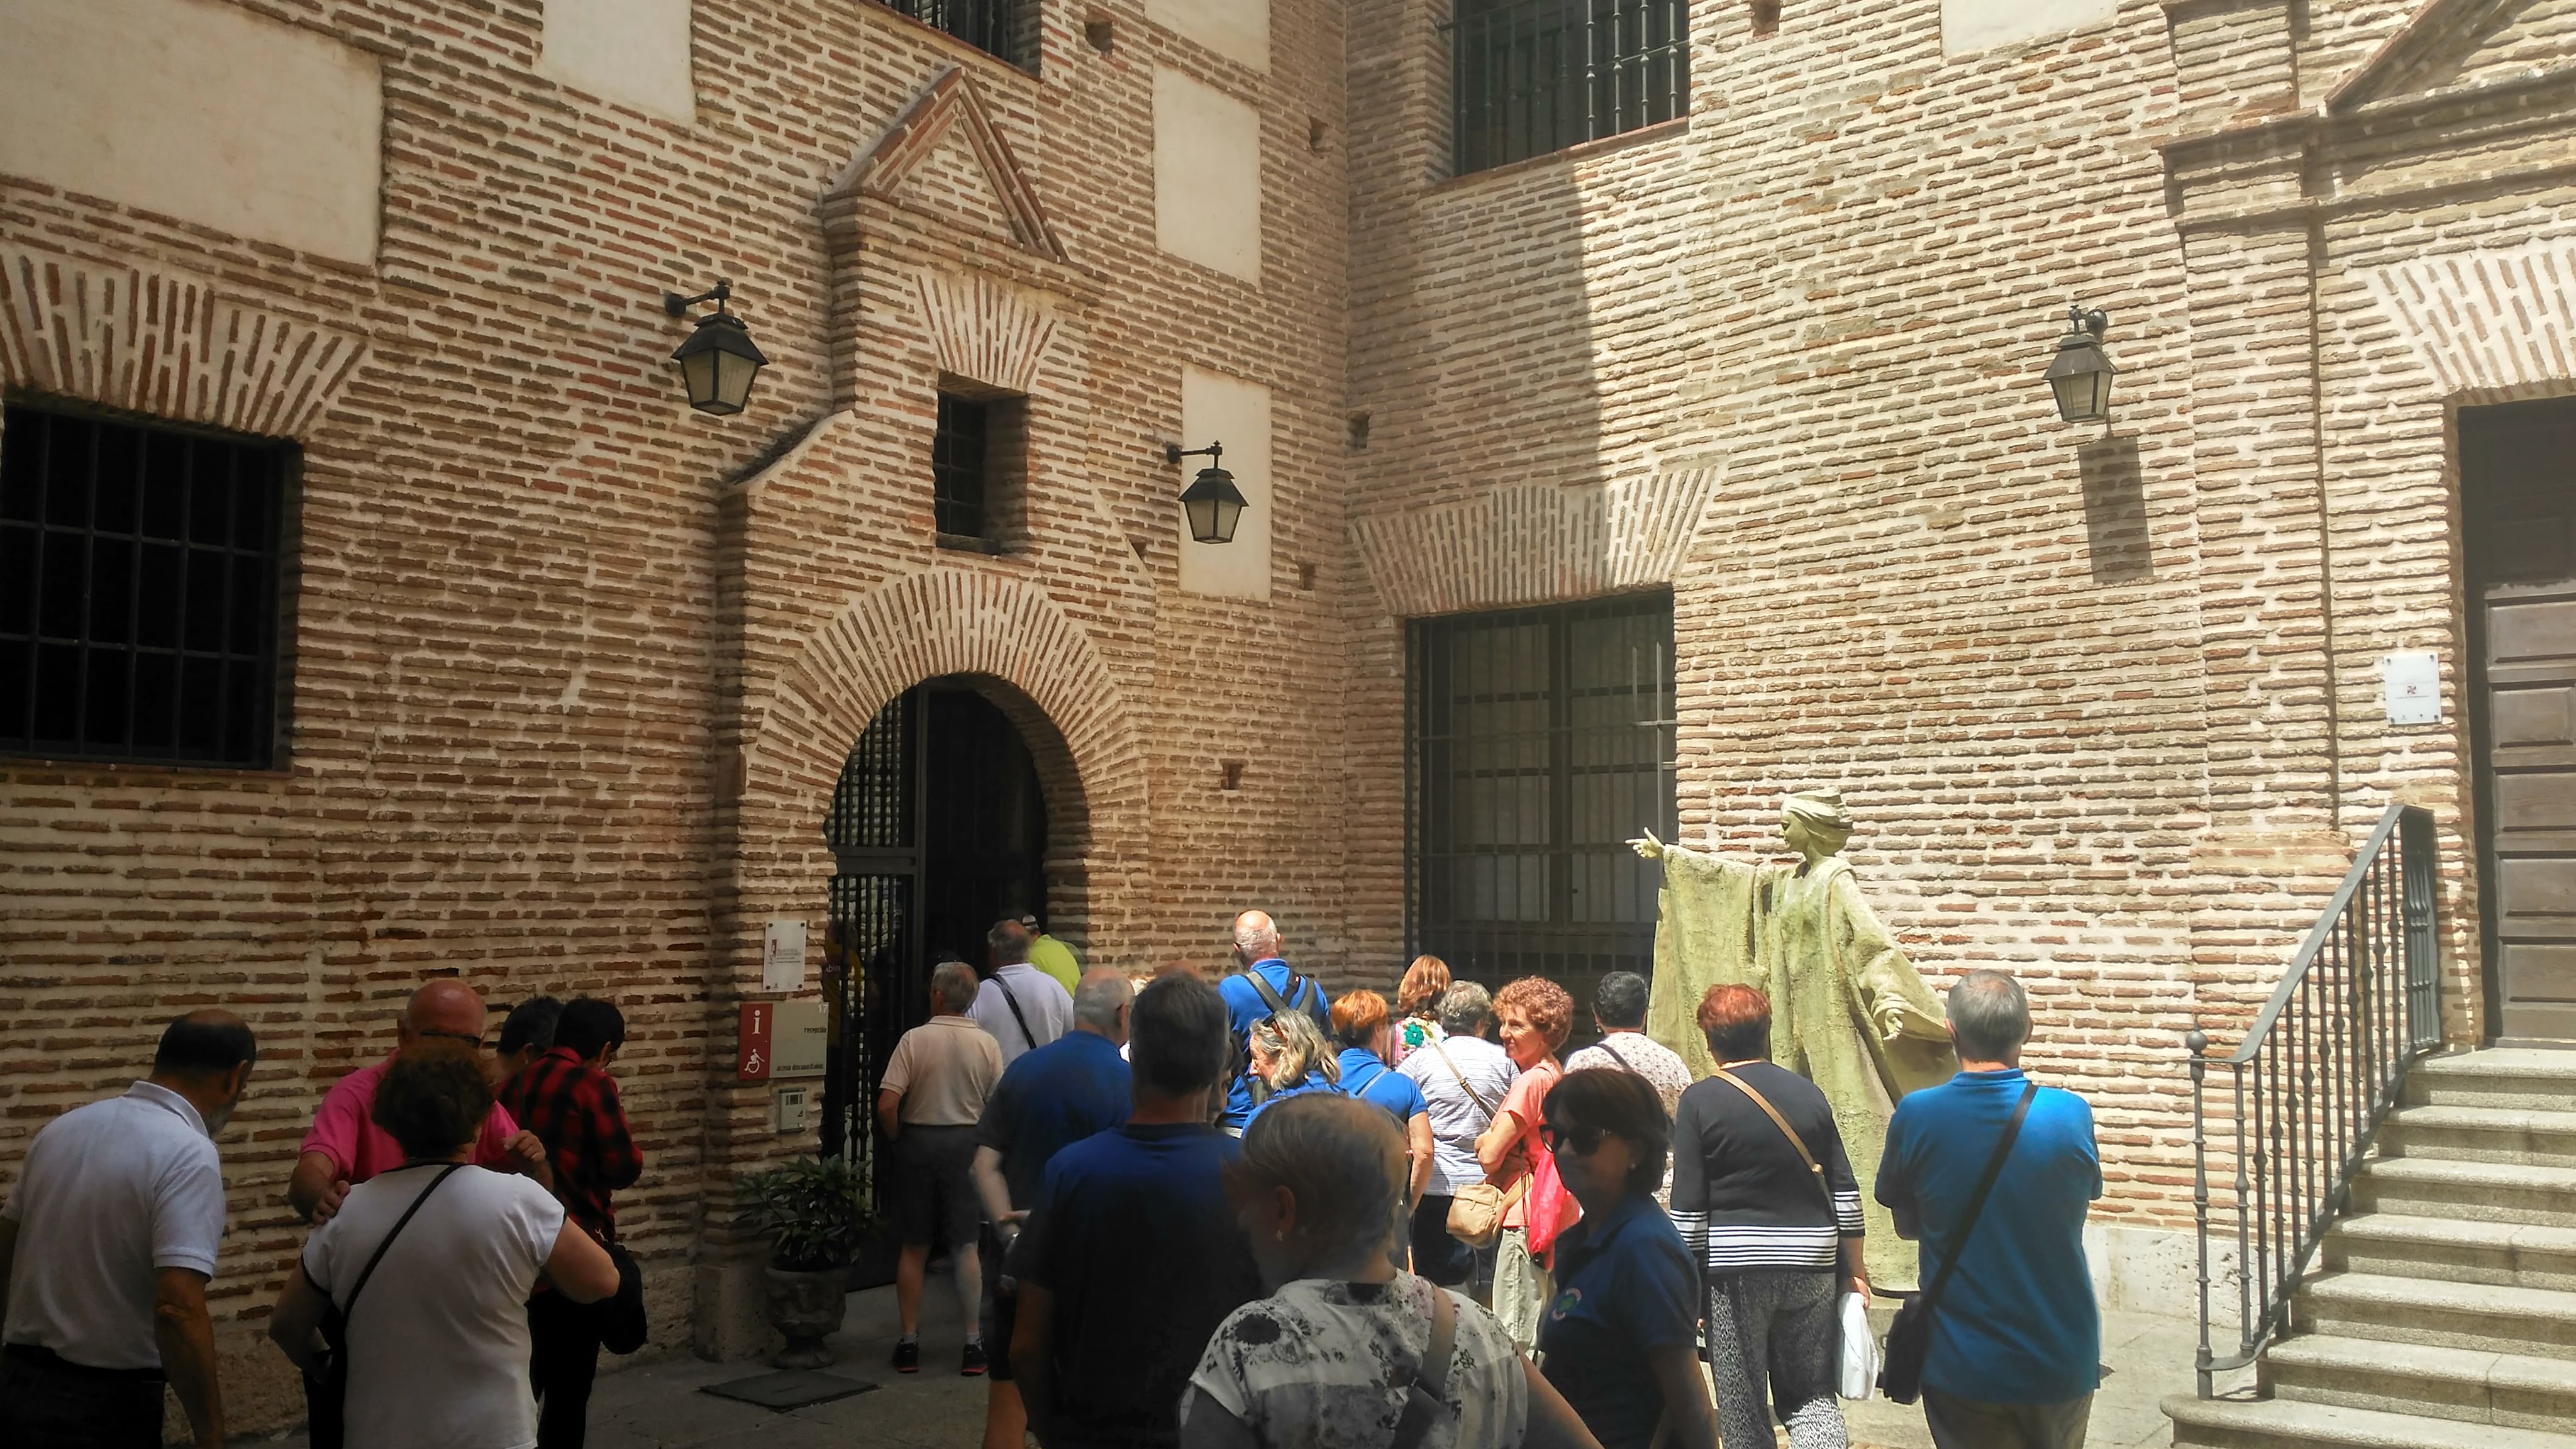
x=751, y=1057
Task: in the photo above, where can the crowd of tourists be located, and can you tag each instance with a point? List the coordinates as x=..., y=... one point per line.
x=1179, y=1211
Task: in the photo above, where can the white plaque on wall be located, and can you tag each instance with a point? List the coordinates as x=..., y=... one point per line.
x=782, y=957
x=2414, y=683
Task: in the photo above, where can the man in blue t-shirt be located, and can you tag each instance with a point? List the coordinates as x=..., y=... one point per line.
x=2017, y=1339
x=1132, y=1256
x=1049, y=1099
x=1256, y=950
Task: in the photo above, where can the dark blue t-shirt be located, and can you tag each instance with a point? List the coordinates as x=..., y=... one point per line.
x=2018, y=1324
x=1049, y=1099
x=1625, y=1288
x=1371, y=1080
x=1246, y=1008
x=1134, y=1238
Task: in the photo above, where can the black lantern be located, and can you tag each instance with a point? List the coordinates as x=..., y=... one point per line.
x=1212, y=503
x=2080, y=375
x=718, y=361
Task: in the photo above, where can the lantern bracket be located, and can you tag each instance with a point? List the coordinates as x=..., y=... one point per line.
x=1173, y=453
x=2095, y=321
x=678, y=306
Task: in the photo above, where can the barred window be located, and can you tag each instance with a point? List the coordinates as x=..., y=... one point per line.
x=1534, y=76
x=996, y=27
x=139, y=590
x=1541, y=740
x=978, y=468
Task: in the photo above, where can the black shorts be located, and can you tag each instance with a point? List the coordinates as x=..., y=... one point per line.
x=934, y=1188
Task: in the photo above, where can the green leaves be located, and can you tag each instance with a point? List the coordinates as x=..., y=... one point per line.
x=813, y=1208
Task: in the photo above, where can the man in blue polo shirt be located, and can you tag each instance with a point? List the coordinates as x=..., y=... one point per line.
x=1265, y=987
x=2017, y=1339
x=1046, y=1101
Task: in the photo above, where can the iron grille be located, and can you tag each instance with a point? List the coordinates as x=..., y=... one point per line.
x=138, y=590
x=1534, y=76
x=1541, y=740
x=872, y=832
x=988, y=25
x=960, y=466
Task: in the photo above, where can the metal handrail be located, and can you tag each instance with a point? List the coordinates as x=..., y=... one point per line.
x=2316, y=1075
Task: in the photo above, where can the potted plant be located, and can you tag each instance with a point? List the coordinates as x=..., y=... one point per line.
x=814, y=1210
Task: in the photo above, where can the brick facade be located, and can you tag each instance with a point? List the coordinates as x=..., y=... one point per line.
x=574, y=669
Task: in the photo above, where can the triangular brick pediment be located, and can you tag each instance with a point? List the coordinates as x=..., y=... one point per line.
x=2451, y=44
x=943, y=149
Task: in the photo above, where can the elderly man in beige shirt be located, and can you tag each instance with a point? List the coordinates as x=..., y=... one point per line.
x=928, y=1102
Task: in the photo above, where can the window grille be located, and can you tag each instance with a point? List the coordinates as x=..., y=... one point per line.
x=960, y=467
x=988, y=25
x=139, y=590
x=1541, y=740
x=1534, y=76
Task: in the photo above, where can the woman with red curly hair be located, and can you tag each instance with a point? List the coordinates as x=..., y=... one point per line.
x=1536, y=1016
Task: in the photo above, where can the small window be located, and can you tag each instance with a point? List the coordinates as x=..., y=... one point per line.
x=140, y=590
x=1004, y=28
x=977, y=458
x=1533, y=76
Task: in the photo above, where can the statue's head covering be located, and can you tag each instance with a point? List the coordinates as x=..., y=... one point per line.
x=1819, y=807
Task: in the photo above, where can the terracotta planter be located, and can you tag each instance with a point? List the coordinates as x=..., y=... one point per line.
x=806, y=1307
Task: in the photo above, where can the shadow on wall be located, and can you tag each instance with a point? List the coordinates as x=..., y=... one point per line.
x=2115, y=511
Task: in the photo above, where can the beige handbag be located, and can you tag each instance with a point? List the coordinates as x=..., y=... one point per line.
x=1476, y=1213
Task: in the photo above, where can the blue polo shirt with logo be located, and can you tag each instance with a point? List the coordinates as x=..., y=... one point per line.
x=1625, y=1288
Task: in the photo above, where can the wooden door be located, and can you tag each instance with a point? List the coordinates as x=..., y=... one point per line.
x=2519, y=495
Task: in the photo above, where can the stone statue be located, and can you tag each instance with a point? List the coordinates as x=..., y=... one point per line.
x=1847, y=1010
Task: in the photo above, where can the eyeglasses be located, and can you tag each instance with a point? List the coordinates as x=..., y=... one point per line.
x=475, y=1042
x=1583, y=1140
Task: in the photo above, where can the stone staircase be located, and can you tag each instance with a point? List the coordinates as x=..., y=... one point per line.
x=2443, y=1312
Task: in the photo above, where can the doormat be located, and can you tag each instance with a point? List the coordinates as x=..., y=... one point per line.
x=793, y=1389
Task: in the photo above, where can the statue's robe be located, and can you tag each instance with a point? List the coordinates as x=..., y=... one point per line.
x=1805, y=938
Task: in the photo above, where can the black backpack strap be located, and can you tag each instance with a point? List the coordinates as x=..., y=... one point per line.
x=399, y=1224
x=1977, y=1203
x=1013, y=1002
x=1270, y=995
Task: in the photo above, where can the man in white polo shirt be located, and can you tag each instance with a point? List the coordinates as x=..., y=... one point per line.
x=106, y=1249
x=1022, y=1007
x=928, y=1101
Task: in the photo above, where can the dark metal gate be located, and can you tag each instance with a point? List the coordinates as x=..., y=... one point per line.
x=875, y=901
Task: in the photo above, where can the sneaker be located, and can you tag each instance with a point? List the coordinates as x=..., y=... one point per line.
x=974, y=1364
x=907, y=1357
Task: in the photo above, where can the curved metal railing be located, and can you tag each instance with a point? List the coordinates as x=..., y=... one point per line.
x=2316, y=1075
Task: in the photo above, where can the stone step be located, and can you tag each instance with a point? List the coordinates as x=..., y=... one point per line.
x=2468, y=1385
x=2529, y=1079
x=2481, y=1134
x=2540, y=1322
x=2489, y=1192
x=2290, y=1424
x=2505, y=1255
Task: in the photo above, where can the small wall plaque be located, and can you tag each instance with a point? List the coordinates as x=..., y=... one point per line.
x=2414, y=684
x=782, y=957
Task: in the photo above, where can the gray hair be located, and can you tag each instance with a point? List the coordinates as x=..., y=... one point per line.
x=955, y=984
x=1009, y=941
x=1991, y=1014
x=1296, y=1047
x=1253, y=930
x=1104, y=992
x=1464, y=1007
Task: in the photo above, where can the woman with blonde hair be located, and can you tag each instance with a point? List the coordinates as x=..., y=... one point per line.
x=1417, y=1001
x=1290, y=1058
x=1348, y=1352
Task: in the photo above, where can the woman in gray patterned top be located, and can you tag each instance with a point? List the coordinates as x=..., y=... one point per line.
x=1336, y=1357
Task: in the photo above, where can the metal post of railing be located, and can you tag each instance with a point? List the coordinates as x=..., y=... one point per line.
x=2198, y=1042
x=2415, y=844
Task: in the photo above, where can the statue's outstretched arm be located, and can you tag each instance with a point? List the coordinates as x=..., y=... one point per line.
x=1648, y=847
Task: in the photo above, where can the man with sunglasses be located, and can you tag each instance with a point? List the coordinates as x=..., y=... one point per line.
x=346, y=1147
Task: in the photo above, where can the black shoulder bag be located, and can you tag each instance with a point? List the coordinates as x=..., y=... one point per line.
x=1909, y=1339
x=1012, y=1000
x=328, y=1392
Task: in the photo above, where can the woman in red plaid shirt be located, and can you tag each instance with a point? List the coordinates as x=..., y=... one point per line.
x=568, y=1099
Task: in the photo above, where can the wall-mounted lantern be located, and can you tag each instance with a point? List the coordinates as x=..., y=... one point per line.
x=2080, y=375
x=1212, y=503
x=717, y=362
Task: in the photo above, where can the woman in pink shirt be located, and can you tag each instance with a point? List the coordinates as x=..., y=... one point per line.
x=1535, y=1015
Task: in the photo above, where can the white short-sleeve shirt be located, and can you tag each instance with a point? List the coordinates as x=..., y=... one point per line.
x=438, y=1344
x=1041, y=1001
x=112, y=1193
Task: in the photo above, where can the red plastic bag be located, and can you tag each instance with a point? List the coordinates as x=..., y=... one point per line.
x=1551, y=1209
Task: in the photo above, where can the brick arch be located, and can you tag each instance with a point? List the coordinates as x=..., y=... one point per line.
x=165, y=343
x=2487, y=321
x=1021, y=650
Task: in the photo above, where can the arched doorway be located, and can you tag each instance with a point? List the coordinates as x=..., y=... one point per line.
x=939, y=826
